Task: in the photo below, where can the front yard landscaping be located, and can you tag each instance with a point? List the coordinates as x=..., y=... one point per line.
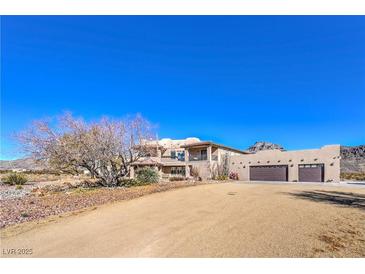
x=32, y=202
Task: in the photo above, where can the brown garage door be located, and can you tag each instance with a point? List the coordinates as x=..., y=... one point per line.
x=311, y=173
x=269, y=173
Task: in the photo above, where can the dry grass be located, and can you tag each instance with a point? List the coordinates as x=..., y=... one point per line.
x=46, y=177
x=343, y=236
x=44, y=202
x=353, y=176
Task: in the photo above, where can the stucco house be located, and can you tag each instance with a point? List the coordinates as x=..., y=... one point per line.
x=180, y=157
x=310, y=165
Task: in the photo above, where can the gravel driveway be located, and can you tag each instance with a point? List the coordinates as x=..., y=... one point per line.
x=218, y=220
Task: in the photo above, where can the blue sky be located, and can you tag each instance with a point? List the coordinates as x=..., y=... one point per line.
x=294, y=80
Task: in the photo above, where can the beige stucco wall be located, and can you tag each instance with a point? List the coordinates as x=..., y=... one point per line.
x=222, y=152
x=327, y=155
x=205, y=167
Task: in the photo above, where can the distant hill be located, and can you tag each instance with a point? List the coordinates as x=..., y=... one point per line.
x=353, y=159
x=264, y=146
x=25, y=163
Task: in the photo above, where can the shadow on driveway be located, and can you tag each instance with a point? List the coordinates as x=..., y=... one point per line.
x=346, y=199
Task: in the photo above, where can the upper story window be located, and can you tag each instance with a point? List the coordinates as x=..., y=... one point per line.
x=203, y=154
x=198, y=155
x=181, y=156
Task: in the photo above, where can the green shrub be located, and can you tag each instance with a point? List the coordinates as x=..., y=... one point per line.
x=129, y=182
x=18, y=187
x=24, y=215
x=147, y=175
x=221, y=177
x=15, y=179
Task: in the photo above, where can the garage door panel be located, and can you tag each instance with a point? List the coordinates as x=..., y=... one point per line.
x=311, y=173
x=269, y=173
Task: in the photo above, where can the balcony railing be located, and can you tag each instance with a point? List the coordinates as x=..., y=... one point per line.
x=198, y=157
x=170, y=159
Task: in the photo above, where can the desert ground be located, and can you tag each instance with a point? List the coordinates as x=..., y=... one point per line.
x=214, y=220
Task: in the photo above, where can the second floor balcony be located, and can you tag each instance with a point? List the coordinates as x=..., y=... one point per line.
x=168, y=159
x=202, y=157
x=198, y=157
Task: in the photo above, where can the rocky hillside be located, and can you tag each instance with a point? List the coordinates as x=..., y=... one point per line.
x=357, y=152
x=26, y=163
x=264, y=146
x=353, y=159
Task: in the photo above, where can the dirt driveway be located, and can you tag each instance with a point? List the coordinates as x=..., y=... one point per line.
x=217, y=220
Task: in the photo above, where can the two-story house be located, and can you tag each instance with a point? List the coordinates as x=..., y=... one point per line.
x=182, y=157
x=179, y=157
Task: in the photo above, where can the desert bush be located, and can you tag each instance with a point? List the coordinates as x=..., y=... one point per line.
x=129, y=183
x=43, y=172
x=15, y=179
x=54, y=188
x=233, y=175
x=223, y=167
x=147, y=175
x=353, y=176
x=90, y=183
x=221, y=177
x=220, y=171
x=177, y=178
x=195, y=173
x=24, y=214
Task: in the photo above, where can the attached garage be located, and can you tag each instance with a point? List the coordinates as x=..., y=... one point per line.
x=269, y=173
x=311, y=173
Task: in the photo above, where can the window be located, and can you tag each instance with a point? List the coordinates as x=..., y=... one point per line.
x=203, y=154
x=173, y=154
x=178, y=170
x=310, y=165
x=181, y=156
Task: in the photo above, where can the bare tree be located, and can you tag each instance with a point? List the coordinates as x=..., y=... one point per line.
x=105, y=148
x=223, y=166
x=195, y=173
x=220, y=171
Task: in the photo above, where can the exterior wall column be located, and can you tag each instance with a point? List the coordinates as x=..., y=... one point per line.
x=131, y=172
x=187, y=169
x=293, y=172
x=209, y=153
x=209, y=164
x=186, y=153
